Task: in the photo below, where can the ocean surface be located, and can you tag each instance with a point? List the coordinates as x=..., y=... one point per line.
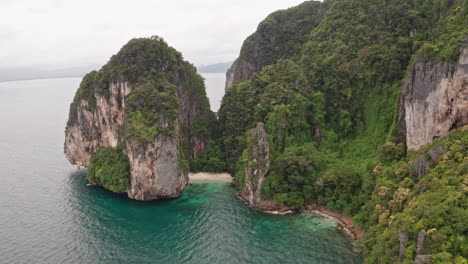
x=49, y=215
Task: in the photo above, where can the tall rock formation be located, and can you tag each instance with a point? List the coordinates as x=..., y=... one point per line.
x=153, y=103
x=255, y=173
x=280, y=35
x=434, y=100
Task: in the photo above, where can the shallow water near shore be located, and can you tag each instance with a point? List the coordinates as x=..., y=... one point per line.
x=48, y=214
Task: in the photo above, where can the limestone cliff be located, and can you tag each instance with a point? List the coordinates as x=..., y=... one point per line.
x=90, y=129
x=434, y=100
x=153, y=103
x=255, y=173
x=257, y=170
x=279, y=36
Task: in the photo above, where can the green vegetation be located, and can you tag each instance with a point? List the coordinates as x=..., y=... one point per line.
x=155, y=71
x=110, y=168
x=148, y=105
x=328, y=96
x=326, y=85
x=167, y=98
x=435, y=202
x=211, y=160
x=281, y=35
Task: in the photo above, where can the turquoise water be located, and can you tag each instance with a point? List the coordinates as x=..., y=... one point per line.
x=49, y=215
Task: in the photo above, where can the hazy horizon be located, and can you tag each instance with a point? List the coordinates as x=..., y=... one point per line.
x=55, y=34
x=33, y=73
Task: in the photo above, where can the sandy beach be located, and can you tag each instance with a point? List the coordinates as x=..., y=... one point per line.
x=210, y=176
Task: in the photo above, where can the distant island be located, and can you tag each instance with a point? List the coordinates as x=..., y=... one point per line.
x=215, y=68
x=33, y=73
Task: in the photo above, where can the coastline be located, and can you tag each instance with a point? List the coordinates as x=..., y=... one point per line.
x=210, y=176
x=345, y=222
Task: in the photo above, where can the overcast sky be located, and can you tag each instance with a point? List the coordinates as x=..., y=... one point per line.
x=64, y=33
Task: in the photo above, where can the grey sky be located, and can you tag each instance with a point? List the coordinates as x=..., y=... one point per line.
x=62, y=33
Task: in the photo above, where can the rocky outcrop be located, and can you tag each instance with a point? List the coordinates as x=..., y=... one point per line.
x=421, y=165
x=256, y=171
x=434, y=100
x=155, y=171
x=419, y=259
x=151, y=102
x=230, y=74
x=420, y=241
x=423, y=259
x=403, y=238
x=93, y=127
x=280, y=35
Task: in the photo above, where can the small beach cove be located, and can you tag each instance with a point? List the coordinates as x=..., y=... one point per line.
x=210, y=176
x=344, y=222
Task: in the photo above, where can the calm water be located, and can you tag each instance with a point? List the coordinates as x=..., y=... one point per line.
x=49, y=215
x=215, y=83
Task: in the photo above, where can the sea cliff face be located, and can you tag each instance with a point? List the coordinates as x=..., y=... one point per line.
x=155, y=169
x=434, y=100
x=91, y=129
x=155, y=107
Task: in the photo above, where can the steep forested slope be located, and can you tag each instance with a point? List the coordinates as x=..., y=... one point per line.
x=334, y=100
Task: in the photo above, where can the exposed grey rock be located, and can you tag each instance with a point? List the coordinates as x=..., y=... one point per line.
x=230, y=74
x=266, y=46
x=420, y=241
x=155, y=169
x=403, y=238
x=91, y=129
x=435, y=152
x=423, y=259
x=434, y=100
x=420, y=166
x=241, y=70
x=255, y=174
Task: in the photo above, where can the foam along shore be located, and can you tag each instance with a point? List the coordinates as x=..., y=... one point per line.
x=210, y=176
x=345, y=223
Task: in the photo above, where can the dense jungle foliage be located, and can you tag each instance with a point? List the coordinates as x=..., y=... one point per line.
x=329, y=104
x=110, y=168
x=431, y=198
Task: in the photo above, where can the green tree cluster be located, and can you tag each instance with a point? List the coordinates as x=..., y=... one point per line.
x=110, y=168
